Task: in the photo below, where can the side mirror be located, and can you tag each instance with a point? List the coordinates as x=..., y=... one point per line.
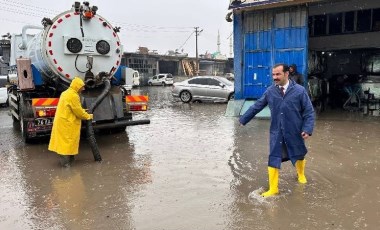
x=222, y=85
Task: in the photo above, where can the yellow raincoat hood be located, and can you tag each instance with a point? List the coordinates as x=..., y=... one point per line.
x=76, y=84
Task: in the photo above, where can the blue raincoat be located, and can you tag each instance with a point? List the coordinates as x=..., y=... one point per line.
x=290, y=116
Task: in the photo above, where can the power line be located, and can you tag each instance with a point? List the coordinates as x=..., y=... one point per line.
x=16, y=11
x=31, y=7
x=186, y=41
x=34, y=11
x=151, y=26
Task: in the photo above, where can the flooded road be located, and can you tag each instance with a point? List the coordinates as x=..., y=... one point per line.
x=193, y=168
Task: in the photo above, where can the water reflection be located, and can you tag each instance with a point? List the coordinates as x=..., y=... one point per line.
x=190, y=145
x=68, y=197
x=37, y=193
x=13, y=198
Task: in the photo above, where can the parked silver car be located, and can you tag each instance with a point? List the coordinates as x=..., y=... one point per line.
x=204, y=88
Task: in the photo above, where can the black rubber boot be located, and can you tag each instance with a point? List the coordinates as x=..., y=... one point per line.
x=65, y=161
x=71, y=159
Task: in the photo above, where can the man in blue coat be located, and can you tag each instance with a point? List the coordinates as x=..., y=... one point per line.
x=292, y=122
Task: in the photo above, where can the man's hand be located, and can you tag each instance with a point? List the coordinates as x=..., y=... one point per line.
x=91, y=116
x=304, y=135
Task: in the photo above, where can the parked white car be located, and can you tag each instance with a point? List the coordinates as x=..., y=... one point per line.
x=3, y=96
x=161, y=79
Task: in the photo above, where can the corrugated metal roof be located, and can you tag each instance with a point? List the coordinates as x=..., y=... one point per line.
x=242, y=4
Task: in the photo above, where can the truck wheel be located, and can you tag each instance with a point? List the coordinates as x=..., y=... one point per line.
x=25, y=111
x=231, y=96
x=185, y=96
x=163, y=83
x=150, y=83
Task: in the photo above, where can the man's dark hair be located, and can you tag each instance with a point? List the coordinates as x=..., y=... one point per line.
x=285, y=68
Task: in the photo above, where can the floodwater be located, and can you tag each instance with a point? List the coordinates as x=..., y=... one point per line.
x=193, y=168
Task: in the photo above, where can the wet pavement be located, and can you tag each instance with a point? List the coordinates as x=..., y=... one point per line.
x=193, y=168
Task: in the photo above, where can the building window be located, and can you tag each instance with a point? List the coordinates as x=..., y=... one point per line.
x=364, y=20
x=319, y=25
x=376, y=20
x=349, y=19
x=335, y=23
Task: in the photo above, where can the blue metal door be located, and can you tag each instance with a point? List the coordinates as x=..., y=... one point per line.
x=257, y=74
x=291, y=37
x=257, y=53
x=270, y=37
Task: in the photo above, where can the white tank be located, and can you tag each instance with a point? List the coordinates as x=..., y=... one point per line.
x=65, y=46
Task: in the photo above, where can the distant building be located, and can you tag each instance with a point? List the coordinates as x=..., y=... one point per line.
x=149, y=65
x=5, y=51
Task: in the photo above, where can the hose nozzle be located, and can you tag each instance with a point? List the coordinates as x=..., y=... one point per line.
x=89, y=80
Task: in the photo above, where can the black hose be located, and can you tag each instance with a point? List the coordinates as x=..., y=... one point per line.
x=90, y=129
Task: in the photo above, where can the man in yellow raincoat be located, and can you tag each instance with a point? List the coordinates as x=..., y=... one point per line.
x=65, y=134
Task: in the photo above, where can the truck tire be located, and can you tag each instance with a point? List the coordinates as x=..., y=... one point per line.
x=25, y=111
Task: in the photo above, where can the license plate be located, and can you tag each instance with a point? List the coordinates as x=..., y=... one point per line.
x=43, y=121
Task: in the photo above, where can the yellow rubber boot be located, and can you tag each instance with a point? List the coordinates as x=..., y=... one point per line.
x=273, y=174
x=300, y=167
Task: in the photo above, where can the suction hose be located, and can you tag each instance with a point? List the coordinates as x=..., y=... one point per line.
x=90, y=129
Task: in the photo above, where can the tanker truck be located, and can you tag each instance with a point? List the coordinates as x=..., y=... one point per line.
x=76, y=43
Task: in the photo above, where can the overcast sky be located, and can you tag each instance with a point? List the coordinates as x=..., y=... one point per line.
x=160, y=25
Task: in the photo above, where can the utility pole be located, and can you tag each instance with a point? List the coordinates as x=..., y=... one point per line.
x=197, y=32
